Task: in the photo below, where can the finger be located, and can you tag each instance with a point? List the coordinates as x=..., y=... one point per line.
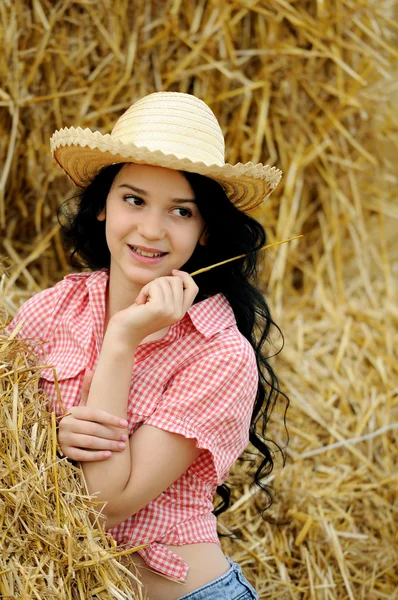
x=96, y=415
x=75, y=434
x=177, y=287
x=87, y=455
x=143, y=296
x=93, y=429
x=187, y=280
x=146, y=293
x=88, y=377
x=167, y=300
x=190, y=287
x=152, y=292
x=90, y=442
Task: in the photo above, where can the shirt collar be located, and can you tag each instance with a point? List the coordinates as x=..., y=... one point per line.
x=212, y=315
x=208, y=316
x=98, y=278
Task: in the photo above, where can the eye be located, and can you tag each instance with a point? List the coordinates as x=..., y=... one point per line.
x=183, y=212
x=133, y=200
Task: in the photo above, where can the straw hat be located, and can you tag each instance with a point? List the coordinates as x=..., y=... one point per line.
x=167, y=129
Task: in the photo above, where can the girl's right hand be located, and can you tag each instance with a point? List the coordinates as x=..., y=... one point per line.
x=90, y=434
x=159, y=304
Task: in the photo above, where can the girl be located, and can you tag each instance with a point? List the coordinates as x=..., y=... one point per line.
x=163, y=377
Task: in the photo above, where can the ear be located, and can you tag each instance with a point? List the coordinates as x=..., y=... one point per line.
x=203, y=238
x=102, y=215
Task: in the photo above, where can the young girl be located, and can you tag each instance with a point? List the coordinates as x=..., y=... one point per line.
x=162, y=375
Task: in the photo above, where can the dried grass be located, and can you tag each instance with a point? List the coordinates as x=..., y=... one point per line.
x=51, y=541
x=224, y=262
x=310, y=87
x=337, y=496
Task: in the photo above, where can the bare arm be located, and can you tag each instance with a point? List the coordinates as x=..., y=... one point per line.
x=158, y=459
x=152, y=460
x=147, y=466
x=109, y=391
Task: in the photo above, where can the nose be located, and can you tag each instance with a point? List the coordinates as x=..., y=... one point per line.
x=152, y=226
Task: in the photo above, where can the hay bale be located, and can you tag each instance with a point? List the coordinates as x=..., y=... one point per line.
x=49, y=546
x=337, y=496
x=309, y=87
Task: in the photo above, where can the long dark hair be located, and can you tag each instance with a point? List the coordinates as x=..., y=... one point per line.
x=230, y=232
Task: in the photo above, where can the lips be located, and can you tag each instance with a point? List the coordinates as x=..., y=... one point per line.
x=144, y=255
x=149, y=252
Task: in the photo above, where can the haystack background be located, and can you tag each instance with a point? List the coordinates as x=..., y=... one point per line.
x=308, y=87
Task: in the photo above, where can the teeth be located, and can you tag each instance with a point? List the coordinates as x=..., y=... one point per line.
x=143, y=253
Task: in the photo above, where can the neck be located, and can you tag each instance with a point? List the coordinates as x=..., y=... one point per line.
x=120, y=293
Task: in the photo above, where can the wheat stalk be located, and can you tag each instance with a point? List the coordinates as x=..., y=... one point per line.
x=241, y=256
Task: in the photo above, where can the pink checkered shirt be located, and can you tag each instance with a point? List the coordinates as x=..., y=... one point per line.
x=200, y=381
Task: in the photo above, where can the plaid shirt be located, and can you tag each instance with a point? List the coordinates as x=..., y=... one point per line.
x=200, y=381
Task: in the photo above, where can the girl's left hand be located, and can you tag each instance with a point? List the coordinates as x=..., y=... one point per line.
x=160, y=303
x=89, y=434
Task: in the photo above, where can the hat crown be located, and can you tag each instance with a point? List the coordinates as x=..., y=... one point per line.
x=174, y=123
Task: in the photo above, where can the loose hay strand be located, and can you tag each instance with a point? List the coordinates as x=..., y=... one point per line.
x=54, y=459
x=224, y=262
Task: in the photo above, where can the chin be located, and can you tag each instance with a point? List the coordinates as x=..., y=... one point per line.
x=144, y=276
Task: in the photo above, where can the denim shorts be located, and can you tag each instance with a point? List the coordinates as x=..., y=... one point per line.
x=233, y=585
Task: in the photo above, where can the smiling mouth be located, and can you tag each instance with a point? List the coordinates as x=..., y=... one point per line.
x=147, y=254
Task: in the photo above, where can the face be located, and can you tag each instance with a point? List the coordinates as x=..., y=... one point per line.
x=152, y=223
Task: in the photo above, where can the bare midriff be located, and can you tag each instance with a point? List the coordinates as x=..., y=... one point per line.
x=206, y=562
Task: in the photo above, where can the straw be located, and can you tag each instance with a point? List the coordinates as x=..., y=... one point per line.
x=49, y=544
x=310, y=87
x=240, y=256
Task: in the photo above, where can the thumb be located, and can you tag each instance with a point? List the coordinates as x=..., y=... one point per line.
x=88, y=377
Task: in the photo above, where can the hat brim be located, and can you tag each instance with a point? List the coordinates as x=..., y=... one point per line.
x=82, y=153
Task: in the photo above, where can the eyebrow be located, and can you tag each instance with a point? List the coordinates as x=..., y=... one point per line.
x=144, y=193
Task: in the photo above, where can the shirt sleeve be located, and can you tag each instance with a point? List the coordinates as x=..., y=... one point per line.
x=35, y=315
x=212, y=400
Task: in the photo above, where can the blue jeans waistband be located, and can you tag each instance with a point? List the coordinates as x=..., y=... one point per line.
x=233, y=585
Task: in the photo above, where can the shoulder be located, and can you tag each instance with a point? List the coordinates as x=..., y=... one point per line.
x=215, y=320
x=225, y=361
x=231, y=360
x=36, y=313
x=231, y=341
x=228, y=354
x=48, y=298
